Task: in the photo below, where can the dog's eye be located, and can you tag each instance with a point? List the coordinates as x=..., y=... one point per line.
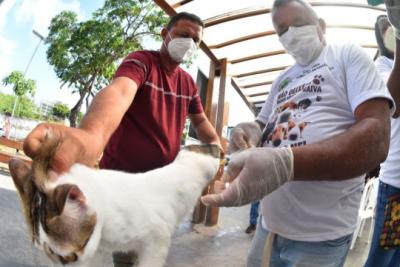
x=47, y=249
x=72, y=257
x=68, y=259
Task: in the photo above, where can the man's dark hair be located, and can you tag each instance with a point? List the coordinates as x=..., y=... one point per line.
x=279, y=3
x=187, y=16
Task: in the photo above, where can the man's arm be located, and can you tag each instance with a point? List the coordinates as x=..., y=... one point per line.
x=255, y=173
x=354, y=152
x=86, y=143
x=205, y=131
x=393, y=83
x=108, y=108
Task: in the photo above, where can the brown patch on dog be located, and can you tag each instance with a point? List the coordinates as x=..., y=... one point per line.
x=20, y=173
x=71, y=233
x=45, y=206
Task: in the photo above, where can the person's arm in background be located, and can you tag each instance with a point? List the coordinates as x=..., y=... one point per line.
x=393, y=82
x=85, y=143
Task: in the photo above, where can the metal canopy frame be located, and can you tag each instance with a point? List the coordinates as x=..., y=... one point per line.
x=213, y=48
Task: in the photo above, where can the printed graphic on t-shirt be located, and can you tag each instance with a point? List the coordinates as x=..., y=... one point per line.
x=286, y=125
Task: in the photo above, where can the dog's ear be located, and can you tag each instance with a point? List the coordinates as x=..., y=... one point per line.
x=68, y=193
x=19, y=172
x=22, y=177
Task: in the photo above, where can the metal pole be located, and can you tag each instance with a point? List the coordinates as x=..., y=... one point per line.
x=27, y=66
x=41, y=38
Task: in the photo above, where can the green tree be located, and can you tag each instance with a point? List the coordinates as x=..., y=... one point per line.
x=60, y=110
x=6, y=103
x=21, y=85
x=84, y=54
x=26, y=107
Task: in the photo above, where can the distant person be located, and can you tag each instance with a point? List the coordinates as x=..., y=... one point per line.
x=7, y=124
x=393, y=82
x=253, y=218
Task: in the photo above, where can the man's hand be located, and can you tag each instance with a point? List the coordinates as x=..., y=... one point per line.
x=76, y=145
x=393, y=11
x=255, y=173
x=245, y=135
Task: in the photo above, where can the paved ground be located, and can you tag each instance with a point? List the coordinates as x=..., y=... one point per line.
x=225, y=245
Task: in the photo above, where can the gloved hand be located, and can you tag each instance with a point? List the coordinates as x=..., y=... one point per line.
x=393, y=11
x=255, y=173
x=245, y=135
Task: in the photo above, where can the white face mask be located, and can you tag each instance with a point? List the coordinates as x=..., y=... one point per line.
x=302, y=43
x=389, y=40
x=181, y=49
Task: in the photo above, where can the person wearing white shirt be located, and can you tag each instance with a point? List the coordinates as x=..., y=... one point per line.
x=327, y=122
x=389, y=178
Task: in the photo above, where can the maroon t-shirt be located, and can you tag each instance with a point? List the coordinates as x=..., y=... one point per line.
x=149, y=134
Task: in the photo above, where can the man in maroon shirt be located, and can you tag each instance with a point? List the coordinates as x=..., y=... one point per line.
x=138, y=119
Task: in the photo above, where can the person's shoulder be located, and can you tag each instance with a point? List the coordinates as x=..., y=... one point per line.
x=144, y=56
x=348, y=53
x=340, y=48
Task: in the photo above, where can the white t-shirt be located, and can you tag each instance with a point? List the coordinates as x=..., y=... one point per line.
x=390, y=169
x=306, y=105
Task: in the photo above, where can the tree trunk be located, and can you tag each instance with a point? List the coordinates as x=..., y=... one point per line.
x=73, y=115
x=75, y=110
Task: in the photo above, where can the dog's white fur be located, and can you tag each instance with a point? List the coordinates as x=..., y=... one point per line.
x=137, y=212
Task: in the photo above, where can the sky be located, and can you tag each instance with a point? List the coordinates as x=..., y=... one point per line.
x=17, y=42
x=17, y=45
